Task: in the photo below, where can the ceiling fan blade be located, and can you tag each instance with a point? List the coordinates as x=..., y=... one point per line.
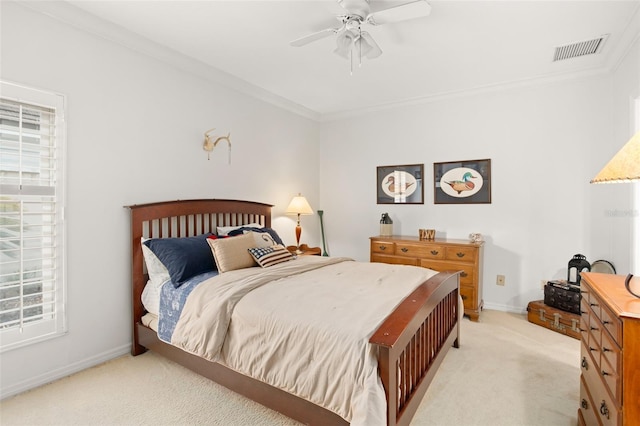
x=375, y=50
x=313, y=37
x=403, y=12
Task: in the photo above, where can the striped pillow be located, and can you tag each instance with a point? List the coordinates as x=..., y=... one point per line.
x=269, y=256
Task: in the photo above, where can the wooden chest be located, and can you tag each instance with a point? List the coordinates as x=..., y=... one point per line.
x=554, y=319
x=440, y=255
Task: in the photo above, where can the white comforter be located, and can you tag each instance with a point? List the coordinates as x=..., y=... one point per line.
x=302, y=326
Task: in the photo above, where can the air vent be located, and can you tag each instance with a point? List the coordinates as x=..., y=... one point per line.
x=581, y=48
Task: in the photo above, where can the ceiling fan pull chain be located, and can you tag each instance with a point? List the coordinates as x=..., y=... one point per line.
x=360, y=45
x=351, y=62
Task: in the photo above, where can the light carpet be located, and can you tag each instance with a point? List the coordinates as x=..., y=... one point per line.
x=507, y=371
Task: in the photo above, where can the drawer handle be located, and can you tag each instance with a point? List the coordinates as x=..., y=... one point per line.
x=593, y=304
x=463, y=274
x=606, y=350
x=606, y=322
x=604, y=373
x=434, y=252
x=584, y=363
x=460, y=254
x=604, y=410
x=382, y=247
x=592, y=349
x=584, y=404
x=594, y=328
x=404, y=249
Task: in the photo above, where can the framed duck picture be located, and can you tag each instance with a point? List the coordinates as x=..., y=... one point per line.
x=462, y=182
x=400, y=184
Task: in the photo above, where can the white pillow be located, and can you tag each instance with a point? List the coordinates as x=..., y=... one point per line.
x=158, y=273
x=224, y=230
x=233, y=252
x=151, y=298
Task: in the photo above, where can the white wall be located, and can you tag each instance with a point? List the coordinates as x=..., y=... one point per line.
x=545, y=143
x=135, y=128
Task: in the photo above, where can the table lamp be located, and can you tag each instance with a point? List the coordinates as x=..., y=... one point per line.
x=623, y=167
x=299, y=205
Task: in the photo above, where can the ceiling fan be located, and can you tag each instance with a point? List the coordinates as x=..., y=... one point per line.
x=350, y=37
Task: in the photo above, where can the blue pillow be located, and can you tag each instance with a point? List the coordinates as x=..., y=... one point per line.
x=183, y=257
x=270, y=231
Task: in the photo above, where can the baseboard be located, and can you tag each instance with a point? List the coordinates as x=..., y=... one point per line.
x=505, y=308
x=59, y=373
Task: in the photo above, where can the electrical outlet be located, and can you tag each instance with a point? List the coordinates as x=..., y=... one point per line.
x=500, y=280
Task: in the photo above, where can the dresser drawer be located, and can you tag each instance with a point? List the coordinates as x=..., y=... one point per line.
x=605, y=408
x=466, y=274
x=611, y=352
x=461, y=254
x=584, y=320
x=468, y=295
x=587, y=407
x=612, y=324
x=420, y=250
x=382, y=247
x=396, y=260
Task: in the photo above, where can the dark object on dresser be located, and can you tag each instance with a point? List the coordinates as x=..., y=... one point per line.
x=562, y=295
x=554, y=319
x=577, y=264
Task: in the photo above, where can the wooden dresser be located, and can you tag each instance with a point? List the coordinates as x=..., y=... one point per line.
x=439, y=255
x=610, y=351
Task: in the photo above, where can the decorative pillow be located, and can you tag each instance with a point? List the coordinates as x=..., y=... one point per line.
x=158, y=273
x=232, y=253
x=224, y=230
x=269, y=256
x=183, y=257
x=274, y=235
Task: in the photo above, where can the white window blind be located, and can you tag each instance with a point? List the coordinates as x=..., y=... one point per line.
x=32, y=288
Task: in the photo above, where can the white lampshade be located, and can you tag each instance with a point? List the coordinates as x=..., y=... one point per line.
x=624, y=166
x=299, y=205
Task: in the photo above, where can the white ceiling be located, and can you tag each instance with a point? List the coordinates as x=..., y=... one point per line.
x=462, y=46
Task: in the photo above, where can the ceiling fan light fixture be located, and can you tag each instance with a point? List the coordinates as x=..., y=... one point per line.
x=373, y=50
x=344, y=43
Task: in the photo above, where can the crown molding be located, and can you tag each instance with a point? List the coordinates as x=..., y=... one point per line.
x=86, y=22
x=467, y=92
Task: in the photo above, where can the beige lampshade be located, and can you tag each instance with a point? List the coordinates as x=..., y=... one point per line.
x=299, y=205
x=624, y=166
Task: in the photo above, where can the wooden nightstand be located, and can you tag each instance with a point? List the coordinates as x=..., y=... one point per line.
x=306, y=250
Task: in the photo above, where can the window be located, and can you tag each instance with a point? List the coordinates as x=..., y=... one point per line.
x=32, y=286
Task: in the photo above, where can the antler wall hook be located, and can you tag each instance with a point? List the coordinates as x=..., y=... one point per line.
x=210, y=144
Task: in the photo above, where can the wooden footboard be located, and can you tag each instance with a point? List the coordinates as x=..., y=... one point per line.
x=413, y=341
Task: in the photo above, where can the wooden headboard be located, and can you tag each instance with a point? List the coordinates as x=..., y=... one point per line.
x=183, y=218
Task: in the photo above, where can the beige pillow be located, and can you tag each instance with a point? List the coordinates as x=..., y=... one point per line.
x=233, y=253
x=262, y=239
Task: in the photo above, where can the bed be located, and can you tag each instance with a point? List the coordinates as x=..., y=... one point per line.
x=409, y=343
